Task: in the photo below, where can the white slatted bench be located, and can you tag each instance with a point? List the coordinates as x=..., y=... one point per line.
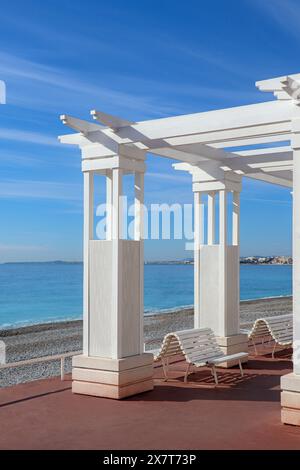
x=199, y=347
x=279, y=329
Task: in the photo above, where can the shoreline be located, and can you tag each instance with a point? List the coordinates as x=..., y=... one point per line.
x=20, y=327
x=47, y=339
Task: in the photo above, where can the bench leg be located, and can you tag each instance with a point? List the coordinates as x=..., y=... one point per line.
x=273, y=352
x=187, y=372
x=164, y=369
x=214, y=373
x=241, y=368
x=62, y=369
x=255, y=350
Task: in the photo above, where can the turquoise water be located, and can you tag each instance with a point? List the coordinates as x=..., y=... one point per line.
x=42, y=292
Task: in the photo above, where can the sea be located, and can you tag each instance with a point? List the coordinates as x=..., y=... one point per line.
x=32, y=293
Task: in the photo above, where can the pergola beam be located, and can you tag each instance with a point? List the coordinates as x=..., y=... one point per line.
x=230, y=119
x=269, y=139
x=267, y=178
x=109, y=120
x=199, y=139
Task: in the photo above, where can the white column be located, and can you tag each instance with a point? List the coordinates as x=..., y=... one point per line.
x=222, y=329
x=139, y=236
x=211, y=214
x=117, y=271
x=117, y=192
x=296, y=251
x=223, y=217
x=290, y=383
x=88, y=232
x=138, y=205
x=198, y=241
x=109, y=205
x=236, y=219
x=236, y=243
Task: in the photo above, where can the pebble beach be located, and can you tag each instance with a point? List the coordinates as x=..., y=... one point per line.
x=59, y=337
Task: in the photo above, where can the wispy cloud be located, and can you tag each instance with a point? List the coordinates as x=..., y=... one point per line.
x=203, y=92
x=211, y=57
x=18, y=135
x=35, y=189
x=63, y=90
x=11, y=159
x=60, y=87
x=286, y=13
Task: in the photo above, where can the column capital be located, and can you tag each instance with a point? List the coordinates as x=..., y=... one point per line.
x=128, y=163
x=230, y=182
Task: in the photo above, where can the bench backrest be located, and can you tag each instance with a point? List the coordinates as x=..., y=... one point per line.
x=197, y=345
x=280, y=328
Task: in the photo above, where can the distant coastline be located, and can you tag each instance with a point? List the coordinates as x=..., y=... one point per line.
x=42, y=262
x=256, y=260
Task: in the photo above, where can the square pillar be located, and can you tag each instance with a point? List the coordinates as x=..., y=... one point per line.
x=217, y=285
x=290, y=383
x=113, y=363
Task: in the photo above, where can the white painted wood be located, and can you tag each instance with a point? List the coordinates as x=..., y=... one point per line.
x=88, y=232
x=79, y=124
x=117, y=274
x=130, y=317
x=117, y=206
x=296, y=246
x=217, y=186
x=236, y=218
x=198, y=241
x=252, y=141
x=211, y=209
x=280, y=181
x=101, y=299
x=271, y=152
x=223, y=217
x=109, y=204
x=231, y=135
x=219, y=289
x=209, y=311
x=109, y=120
x=139, y=236
x=278, y=83
x=199, y=220
x=115, y=316
x=232, y=291
x=199, y=347
x=138, y=205
x=279, y=329
x=113, y=162
x=279, y=168
x=197, y=139
x=271, y=112
x=223, y=281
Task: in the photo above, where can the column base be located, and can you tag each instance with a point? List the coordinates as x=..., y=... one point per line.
x=290, y=399
x=112, y=378
x=232, y=345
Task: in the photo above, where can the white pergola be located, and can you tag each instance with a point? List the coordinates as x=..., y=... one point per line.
x=211, y=147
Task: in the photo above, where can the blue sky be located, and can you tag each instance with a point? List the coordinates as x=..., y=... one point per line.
x=139, y=60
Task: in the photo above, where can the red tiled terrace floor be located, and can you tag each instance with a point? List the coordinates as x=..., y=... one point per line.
x=239, y=414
